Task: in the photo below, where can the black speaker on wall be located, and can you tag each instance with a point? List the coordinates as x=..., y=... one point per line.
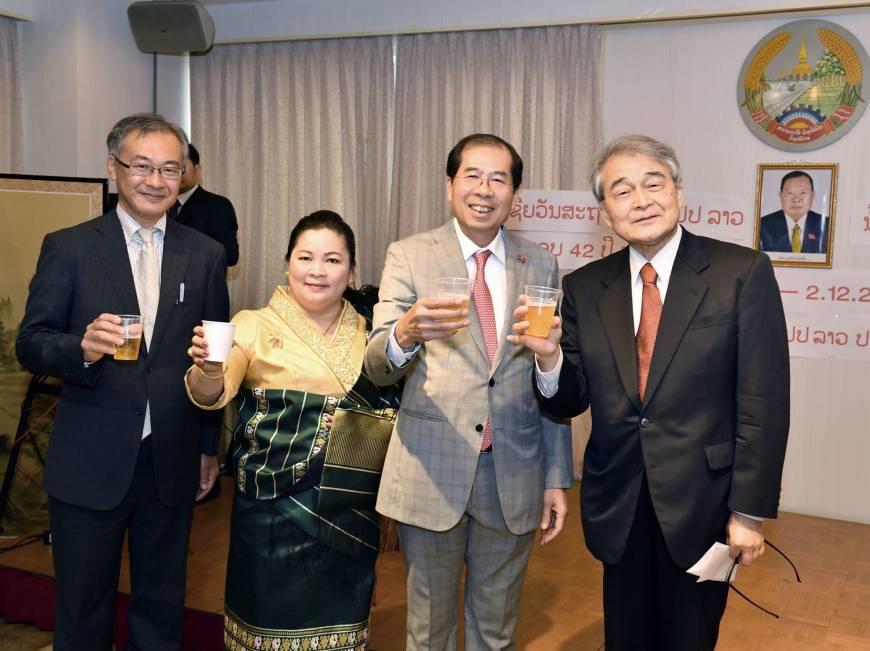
x=170, y=26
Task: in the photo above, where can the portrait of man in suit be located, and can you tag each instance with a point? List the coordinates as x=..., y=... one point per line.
x=678, y=346
x=127, y=454
x=795, y=227
x=473, y=467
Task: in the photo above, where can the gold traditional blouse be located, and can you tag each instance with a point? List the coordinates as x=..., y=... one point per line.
x=279, y=347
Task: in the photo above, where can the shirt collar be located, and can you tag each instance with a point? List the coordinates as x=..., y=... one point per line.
x=130, y=225
x=184, y=196
x=469, y=248
x=789, y=223
x=662, y=262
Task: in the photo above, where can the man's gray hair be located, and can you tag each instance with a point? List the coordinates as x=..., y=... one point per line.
x=632, y=145
x=143, y=123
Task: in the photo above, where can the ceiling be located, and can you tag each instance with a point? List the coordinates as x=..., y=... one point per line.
x=228, y=2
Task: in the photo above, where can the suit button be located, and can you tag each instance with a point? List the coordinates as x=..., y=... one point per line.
x=147, y=369
x=138, y=412
x=645, y=422
x=478, y=427
x=492, y=383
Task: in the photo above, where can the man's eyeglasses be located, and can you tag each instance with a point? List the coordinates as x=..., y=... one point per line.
x=733, y=587
x=144, y=169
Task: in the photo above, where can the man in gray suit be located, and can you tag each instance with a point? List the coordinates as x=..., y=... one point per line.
x=473, y=467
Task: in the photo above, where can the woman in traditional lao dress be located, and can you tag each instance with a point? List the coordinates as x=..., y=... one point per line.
x=301, y=565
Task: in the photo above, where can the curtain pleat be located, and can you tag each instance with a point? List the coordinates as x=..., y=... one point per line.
x=288, y=128
x=537, y=88
x=285, y=129
x=11, y=138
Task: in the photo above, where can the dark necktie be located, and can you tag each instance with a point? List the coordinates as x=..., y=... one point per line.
x=650, y=314
x=486, y=315
x=174, y=210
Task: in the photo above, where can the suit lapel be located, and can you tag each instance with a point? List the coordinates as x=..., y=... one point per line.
x=514, y=284
x=686, y=289
x=172, y=273
x=451, y=263
x=111, y=249
x=615, y=310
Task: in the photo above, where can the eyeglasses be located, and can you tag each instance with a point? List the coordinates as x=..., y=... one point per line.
x=733, y=587
x=144, y=169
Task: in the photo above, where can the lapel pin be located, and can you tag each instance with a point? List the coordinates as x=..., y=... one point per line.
x=522, y=259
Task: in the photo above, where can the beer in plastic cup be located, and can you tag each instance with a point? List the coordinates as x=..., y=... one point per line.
x=129, y=350
x=455, y=288
x=541, y=302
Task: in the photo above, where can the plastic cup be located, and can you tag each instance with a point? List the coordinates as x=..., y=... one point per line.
x=542, y=303
x=455, y=288
x=129, y=350
x=219, y=335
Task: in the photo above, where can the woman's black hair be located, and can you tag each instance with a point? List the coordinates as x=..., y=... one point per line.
x=364, y=298
x=324, y=219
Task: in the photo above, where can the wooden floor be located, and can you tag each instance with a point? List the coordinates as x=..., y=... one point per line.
x=561, y=603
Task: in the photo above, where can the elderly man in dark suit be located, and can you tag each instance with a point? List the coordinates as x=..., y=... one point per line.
x=206, y=211
x=678, y=344
x=795, y=228
x=126, y=452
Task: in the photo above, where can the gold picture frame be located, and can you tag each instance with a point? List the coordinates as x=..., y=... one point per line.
x=795, y=212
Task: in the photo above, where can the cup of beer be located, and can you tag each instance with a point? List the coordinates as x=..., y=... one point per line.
x=455, y=288
x=542, y=302
x=129, y=350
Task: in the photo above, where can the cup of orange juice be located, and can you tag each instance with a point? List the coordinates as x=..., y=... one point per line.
x=455, y=288
x=542, y=302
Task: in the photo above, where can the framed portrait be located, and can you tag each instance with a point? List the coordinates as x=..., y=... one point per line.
x=795, y=207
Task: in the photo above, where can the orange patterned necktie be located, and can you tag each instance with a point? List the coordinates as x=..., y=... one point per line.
x=650, y=314
x=486, y=315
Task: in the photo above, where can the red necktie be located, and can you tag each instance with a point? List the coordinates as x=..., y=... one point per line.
x=486, y=315
x=650, y=313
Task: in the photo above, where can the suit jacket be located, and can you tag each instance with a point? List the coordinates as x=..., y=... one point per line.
x=82, y=272
x=710, y=435
x=213, y=215
x=776, y=236
x=450, y=389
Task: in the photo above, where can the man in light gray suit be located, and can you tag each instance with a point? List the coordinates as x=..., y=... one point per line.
x=473, y=467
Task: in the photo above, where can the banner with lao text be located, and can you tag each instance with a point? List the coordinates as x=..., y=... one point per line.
x=569, y=223
x=827, y=310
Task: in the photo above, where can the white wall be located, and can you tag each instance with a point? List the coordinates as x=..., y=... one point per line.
x=81, y=73
x=679, y=83
x=22, y=9
x=281, y=19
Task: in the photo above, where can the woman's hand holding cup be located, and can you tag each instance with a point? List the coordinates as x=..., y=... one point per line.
x=198, y=352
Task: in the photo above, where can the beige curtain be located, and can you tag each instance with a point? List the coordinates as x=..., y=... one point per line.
x=537, y=88
x=10, y=98
x=284, y=129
